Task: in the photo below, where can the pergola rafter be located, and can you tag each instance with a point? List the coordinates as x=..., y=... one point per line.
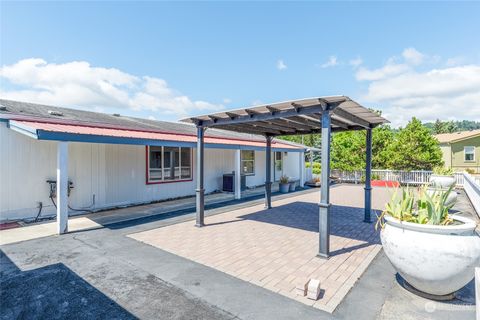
x=315, y=115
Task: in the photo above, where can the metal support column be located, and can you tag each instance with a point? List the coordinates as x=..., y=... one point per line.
x=200, y=191
x=268, y=173
x=368, y=175
x=62, y=187
x=324, y=206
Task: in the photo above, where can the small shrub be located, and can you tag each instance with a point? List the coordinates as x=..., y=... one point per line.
x=316, y=171
x=284, y=179
x=443, y=171
x=316, y=180
x=317, y=165
x=470, y=170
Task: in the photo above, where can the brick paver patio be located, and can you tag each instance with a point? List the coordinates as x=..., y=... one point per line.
x=276, y=249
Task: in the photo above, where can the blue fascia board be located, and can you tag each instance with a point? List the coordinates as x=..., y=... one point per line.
x=23, y=129
x=73, y=137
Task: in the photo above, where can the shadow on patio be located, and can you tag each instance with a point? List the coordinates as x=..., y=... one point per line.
x=346, y=222
x=52, y=292
x=145, y=214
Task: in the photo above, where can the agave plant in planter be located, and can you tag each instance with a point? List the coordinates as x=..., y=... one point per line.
x=442, y=178
x=435, y=252
x=284, y=184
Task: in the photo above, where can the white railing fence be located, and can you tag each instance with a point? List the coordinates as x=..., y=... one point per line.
x=472, y=189
x=416, y=177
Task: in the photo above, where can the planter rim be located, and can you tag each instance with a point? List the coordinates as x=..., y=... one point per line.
x=468, y=225
x=442, y=175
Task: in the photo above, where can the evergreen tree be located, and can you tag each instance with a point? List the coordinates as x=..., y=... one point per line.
x=438, y=127
x=414, y=148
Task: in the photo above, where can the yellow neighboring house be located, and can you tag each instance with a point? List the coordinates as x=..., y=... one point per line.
x=461, y=150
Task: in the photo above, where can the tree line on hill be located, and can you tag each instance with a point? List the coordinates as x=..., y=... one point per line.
x=439, y=126
x=413, y=147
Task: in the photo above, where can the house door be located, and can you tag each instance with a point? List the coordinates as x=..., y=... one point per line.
x=278, y=165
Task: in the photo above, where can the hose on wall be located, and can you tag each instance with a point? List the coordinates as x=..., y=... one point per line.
x=87, y=209
x=40, y=207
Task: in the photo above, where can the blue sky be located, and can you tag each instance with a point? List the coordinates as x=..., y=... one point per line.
x=169, y=60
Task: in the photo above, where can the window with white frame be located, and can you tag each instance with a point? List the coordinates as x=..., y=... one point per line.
x=166, y=164
x=248, y=162
x=469, y=153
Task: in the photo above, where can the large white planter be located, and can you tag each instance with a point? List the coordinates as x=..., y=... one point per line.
x=438, y=260
x=443, y=182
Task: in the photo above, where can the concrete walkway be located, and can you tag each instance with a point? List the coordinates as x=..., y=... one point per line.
x=99, y=219
x=102, y=273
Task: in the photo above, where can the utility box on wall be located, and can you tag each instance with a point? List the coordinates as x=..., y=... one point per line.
x=229, y=182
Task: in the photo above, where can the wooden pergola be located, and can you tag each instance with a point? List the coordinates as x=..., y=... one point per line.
x=313, y=115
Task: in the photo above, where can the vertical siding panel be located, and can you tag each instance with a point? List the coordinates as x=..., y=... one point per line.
x=5, y=169
x=114, y=173
x=102, y=183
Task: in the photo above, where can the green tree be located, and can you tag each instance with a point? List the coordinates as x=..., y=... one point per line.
x=348, y=151
x=382, y=138
x=439, y=127
x=451, y=126
x=414, y=148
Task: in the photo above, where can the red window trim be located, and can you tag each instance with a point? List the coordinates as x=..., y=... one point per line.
x=147, y=173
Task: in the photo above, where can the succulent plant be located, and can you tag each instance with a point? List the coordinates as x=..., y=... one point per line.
x=443, y=171
x=418, y=207
x=284, y=179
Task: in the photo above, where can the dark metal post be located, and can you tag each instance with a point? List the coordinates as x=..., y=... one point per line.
x=268, y=173
x=368, y=174
x=200, y=191
x=324, y=206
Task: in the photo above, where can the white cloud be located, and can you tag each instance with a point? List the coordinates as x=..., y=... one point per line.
x=356, y=62
x=227, y=100
x=401, y=90
x=455, y=61
x=391, y=68
x=412, y=56
x=332, y=62
x=281, y=65
x=395, y=65
x=79, y=84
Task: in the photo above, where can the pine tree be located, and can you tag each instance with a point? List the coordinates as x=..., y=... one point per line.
x=415, y=148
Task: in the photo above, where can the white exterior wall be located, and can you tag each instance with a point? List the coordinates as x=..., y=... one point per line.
x=291, y=165
x=115, y=174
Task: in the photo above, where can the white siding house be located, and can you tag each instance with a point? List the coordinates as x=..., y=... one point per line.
x=112, y=174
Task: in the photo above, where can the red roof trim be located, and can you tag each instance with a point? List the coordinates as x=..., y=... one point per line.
x=116, y=132
x=108, y=126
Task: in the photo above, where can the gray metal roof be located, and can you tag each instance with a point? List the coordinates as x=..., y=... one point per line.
x=38, y=112
x=293, y=117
